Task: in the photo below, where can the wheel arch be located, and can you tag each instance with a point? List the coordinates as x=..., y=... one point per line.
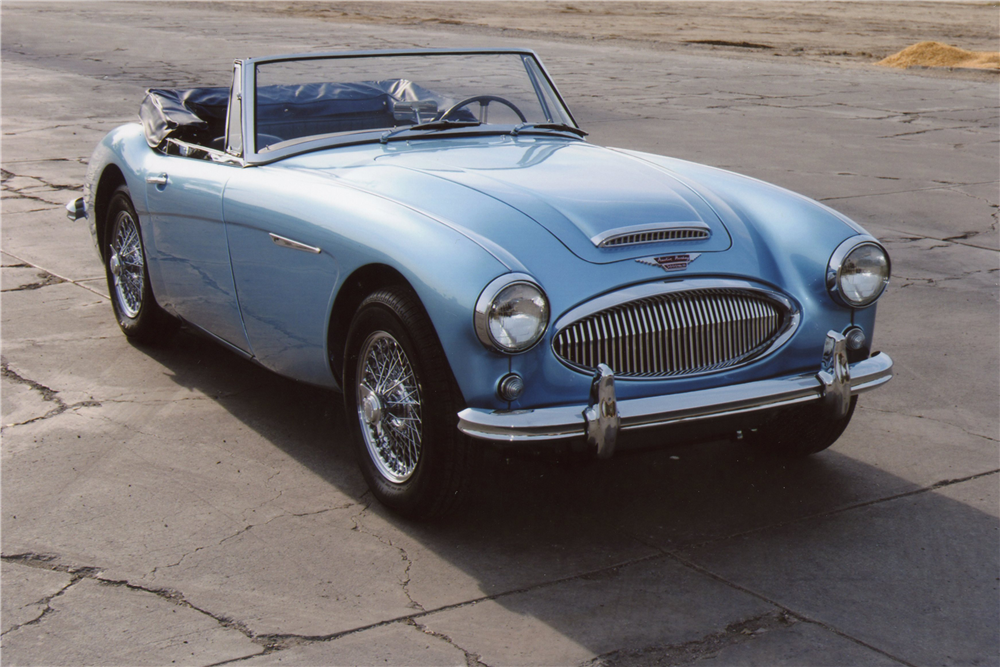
x=111, y=179
x=354, y=289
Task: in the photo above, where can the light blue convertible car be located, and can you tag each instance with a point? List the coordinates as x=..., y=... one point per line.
x=430, y=232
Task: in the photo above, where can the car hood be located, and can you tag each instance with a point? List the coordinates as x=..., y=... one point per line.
x=576, y=191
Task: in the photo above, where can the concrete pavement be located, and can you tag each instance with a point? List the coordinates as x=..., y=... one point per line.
x=175, y=504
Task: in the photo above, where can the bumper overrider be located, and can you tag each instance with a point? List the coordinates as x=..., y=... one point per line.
x=604, y=417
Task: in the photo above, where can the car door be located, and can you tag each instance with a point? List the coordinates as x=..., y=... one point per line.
x=194, y=274
x=184, y=200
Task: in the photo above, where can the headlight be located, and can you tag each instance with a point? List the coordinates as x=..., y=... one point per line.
x=512, y=313
x=858, y=272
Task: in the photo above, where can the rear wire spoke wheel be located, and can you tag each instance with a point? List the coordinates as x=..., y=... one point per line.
x=127, y=264
x=402, y=405
x=135, y=307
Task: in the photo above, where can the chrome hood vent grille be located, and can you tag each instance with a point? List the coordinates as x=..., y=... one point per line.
x=656, y=233
x=688, y=328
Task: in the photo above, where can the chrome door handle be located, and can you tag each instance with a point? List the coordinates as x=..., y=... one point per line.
x=157, y=180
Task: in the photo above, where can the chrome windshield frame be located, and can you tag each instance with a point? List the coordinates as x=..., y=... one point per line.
x=248, y=71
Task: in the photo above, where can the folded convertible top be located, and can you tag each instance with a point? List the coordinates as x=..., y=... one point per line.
x=198, y=115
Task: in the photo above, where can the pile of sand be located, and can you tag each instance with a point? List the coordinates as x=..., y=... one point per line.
x=936, y=54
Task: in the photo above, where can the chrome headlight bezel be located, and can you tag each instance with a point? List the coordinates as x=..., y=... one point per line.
x=486, y=309
x=834, y=271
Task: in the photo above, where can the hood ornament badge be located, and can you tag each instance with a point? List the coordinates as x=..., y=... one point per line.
x=677, y=262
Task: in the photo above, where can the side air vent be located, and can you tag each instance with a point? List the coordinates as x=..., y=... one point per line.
x=655, y=233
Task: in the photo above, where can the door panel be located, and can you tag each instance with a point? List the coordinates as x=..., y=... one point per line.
x=189, y=244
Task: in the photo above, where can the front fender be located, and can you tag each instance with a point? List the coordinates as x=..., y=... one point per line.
x=122, y=151
x=287, y=296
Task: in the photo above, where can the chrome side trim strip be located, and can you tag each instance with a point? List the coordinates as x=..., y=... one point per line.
x=568, y=421
x=294, y=245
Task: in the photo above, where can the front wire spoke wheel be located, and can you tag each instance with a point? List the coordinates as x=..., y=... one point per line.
x=389, y=407
x=402, y=406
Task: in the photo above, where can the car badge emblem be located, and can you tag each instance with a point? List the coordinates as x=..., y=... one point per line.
x=671, y=262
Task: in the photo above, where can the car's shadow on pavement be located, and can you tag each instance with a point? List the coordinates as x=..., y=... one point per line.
x=773, y=525
x=684, y=494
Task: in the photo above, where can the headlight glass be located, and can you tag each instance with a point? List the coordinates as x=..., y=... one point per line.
x=512, y=313
x=518, y=317
x=863, y=274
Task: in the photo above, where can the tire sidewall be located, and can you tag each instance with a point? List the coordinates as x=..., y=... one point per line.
x=417, y=495
x=142, y=323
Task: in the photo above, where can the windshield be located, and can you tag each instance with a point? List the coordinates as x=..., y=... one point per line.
x=298, y=100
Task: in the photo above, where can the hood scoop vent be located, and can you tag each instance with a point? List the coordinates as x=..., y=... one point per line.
x=653, y=233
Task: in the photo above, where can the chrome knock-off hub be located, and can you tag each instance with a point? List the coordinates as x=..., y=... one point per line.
x=371, y=408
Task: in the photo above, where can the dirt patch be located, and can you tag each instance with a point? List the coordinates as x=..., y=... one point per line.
x=936, y=54
x=847, y=33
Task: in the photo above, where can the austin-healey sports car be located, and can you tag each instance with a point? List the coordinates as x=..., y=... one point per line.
x=430, y=233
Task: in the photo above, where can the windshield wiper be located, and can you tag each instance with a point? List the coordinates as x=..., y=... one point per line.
x=559, y=127
x=433, y=125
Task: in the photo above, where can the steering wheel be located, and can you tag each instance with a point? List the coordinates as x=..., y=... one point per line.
x=484, y=102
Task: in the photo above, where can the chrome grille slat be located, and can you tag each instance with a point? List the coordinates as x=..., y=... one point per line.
x=674, y=334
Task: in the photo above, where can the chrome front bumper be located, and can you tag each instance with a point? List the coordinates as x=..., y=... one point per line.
x=603, y=417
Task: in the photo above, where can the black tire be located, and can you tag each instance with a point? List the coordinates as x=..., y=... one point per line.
x=132, y=300
x=402, y=407
x=801, y=431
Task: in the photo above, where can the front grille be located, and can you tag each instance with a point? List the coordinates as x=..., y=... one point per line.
x=677, y=333
x=655, y=236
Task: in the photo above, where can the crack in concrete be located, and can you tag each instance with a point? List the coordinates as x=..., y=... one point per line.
x=46, y=280
x=76, y=575
x=21, y=192
x=792, y=614
x=404, y=556
x=78, y=283
x=471, y=659
x=247, y=528
x=277, y=642
x=14, y=194
x=49, y=562
x=928, y=130
x=910, y=237
x=941, y=186
x=934, y=281
x=820, y=515
x=47, y=600
x=676, y=556
x=6, y=175
x=933, y=419
x=706, y=647
x=48, y=394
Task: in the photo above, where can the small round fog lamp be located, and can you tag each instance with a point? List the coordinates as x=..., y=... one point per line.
x=855, y=339
x=510, y=387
